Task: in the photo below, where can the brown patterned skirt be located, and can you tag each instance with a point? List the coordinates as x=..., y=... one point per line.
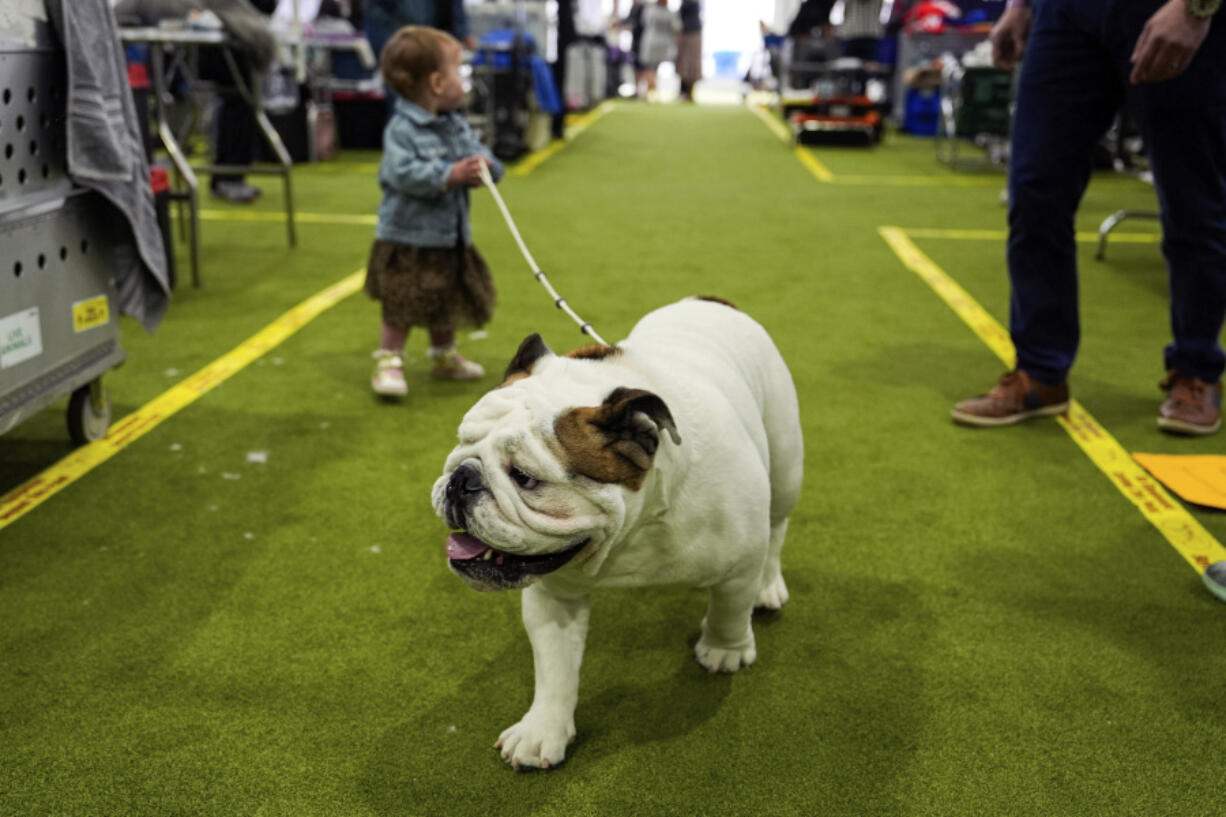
x=430, y=286
x=689, y=57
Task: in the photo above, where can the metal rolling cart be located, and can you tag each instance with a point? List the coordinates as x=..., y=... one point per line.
x=846, y=99
x=59, y=321
x=976, y=107
x=508, y=34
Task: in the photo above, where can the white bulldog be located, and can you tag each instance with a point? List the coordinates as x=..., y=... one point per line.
x=674, y=457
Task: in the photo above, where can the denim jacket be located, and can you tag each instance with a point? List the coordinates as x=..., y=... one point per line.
x=418, y=207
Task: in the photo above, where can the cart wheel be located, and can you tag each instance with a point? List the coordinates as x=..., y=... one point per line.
x=89, y=413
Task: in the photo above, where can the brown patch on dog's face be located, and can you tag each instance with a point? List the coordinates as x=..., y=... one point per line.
x=596, y=351
x=587, y=451
x=718, y=300
x=616, y=441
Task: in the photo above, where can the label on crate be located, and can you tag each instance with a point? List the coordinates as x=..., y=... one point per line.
x=21, y=337
x=91, y=313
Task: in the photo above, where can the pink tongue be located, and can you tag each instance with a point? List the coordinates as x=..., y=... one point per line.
x=461, y=546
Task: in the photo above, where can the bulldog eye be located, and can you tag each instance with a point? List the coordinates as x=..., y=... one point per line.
x=525, y=481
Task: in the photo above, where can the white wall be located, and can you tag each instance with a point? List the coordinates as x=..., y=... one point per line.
x=734, y=25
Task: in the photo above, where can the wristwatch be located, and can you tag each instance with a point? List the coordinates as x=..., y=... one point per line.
x=1203, y=9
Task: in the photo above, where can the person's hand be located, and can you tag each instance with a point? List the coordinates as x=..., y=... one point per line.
x=1008, y=37
x=467, y=171
x=1167, y=44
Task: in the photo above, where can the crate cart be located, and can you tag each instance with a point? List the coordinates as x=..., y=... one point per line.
x=976, y=107
x=846, y=99
x=59, y=321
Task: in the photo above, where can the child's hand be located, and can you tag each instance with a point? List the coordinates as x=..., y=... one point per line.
x=467, y=171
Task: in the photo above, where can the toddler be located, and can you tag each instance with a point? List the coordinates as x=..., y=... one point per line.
x=423, y=267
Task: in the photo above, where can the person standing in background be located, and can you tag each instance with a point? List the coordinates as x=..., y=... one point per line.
x=1080, y=61
x=236, y=131
x=861, y=30
x=689, y=47
x=660, y=28
x=634, y=22
x=384, y=17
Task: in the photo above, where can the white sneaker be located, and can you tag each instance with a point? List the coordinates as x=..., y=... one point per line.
x=451, y=365
x=388, y=379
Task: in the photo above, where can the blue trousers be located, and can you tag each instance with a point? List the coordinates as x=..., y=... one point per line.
x=1074, y=78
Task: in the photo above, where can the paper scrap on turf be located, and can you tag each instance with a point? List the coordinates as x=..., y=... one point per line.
x=1196, y=478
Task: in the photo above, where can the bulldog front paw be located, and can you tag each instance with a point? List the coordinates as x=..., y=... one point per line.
x=724, y=659
x=535, y=742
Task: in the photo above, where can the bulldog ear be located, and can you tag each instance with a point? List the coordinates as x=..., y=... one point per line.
x=622, y=414
x=530, y=351
x=617, y=440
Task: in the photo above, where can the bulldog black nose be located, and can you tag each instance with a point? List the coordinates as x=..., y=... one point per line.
x=462, y=488
x=464, y=482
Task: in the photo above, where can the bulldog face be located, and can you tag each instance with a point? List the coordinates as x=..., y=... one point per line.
x=546, y=468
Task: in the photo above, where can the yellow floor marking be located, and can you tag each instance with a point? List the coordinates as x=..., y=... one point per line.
x=360, y=219
x=932, y=180
x=1180, y=528
x=813, y=164
x=535, y=159
x=773, y=122
x=1001, y=235
x=807, y=157
x=333, y=166
x=27, y=496
x=824, y=174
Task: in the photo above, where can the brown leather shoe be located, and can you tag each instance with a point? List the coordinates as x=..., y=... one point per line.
x=1016, y=397
x=1192, y=406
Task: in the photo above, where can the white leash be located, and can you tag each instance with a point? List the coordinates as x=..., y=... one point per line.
x=558, y=300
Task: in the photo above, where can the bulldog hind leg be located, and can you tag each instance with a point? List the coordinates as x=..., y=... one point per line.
x=727, y=641
x=772, y=590
x=782, y=423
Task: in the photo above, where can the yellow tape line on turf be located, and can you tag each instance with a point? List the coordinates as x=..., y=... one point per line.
x=813, y=164
x=359, y=219
x=1001, y=235
x=1180, y=528
x=773, y=122
x=825, y=175
x=27, y=496
x=807, y=158
x=535, y=159
x=921, y=181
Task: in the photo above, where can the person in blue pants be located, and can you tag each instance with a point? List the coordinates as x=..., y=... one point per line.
x=1083, y=60
x=384, y=17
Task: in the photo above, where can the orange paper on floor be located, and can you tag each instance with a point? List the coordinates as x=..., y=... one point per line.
x=1199, y=478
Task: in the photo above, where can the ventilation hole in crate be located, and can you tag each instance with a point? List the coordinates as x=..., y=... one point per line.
x=16, y=269
x=43, y=121
x=33, y=148
x=21, y=123
x=7, y=96
x=21, y=176
x=42, y=260
x=8, y=151
x=46, y=170
x=84, y=246
x=31, y=94
x=63, y=253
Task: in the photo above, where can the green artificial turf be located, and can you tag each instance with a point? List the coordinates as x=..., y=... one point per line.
x=980, y=623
